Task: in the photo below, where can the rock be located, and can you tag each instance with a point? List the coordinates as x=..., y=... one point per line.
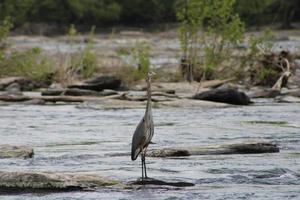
x=77, y=92
x=264, y=93
x=191, y=103
x=100, y=83
x=248, y=147
x=168, y=152
x=35, y=102
x=15, y=182
x=141, y=96
x=10, y=151
x=288, y=99
x=56, y=86
x=13, y=89
x=224, y=95
x=52, y=92
x=25, y=84
x=151, y=181
x=291, y=92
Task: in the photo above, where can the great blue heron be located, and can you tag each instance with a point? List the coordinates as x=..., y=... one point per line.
x=144, y=131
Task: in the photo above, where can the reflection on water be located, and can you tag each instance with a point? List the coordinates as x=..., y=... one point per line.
x=70, y=138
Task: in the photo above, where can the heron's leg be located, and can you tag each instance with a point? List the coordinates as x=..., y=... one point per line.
x=145, y=163
x=142, y=159
x=145, y=166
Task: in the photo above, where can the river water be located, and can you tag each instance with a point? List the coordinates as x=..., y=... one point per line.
x=74, y=138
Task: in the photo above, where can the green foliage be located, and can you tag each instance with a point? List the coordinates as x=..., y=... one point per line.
x=138, y=12
x=253, y=12
x=75, y=11
x=84, y=63
x=140, y=62
x=259, y=47
x=140, y=53
x=5, y=27
x=17, y=10
x=266, y=75
x=30, y=63
x=260, y=44
x=150, y=11
x=191, y=15
x=224, y=29
x=221, y=28
x=128, y=75
x=72, y=32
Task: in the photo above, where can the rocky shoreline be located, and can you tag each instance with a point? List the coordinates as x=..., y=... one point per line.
x=107, y=92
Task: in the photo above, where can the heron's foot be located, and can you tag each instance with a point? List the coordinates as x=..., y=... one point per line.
x=152, y=181
x=145, y=179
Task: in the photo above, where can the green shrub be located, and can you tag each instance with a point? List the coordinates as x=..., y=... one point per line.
x=30, y=63
x=140, y=54
x=250, y=61
x=5, y=27
x=83, y=63
x=220, y=29
x=137, y=69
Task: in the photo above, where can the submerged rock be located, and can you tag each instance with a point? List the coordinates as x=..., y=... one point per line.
x=249, y=147
x=151, y=181
x=10, y=151
x=99, y=83
x=224, y=95
x=169, y=152
x=14, y=182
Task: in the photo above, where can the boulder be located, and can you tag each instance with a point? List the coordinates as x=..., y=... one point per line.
x=224, y=95
x=99, y=83
x=11, y=151
x=16, y=182
x=13, y=89
x=24, y=83
x=248, y=147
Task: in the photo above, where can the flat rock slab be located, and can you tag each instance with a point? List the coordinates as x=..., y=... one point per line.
x=10, y=151
x=156, y=182
x=264, y=93
x=249, y=147
x=77, y=92
x=288, y=99
x=19, y=182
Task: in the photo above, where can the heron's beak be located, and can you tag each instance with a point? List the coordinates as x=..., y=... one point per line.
x=152, y=73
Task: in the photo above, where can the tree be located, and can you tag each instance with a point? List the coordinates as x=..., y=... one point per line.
x=220, y=28
x=17, y=10
x=253, y=12
x=288, y=10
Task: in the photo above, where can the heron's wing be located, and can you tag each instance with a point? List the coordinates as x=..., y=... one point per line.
x=138, y=139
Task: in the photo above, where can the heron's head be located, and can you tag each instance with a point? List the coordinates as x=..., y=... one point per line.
x=151, y=74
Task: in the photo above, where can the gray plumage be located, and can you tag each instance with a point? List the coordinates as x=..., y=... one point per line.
x=144, y=131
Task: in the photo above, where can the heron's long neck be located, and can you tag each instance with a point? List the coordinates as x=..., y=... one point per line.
x=148, y=94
